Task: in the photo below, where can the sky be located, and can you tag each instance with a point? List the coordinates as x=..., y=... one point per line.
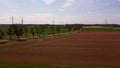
x=60, y=11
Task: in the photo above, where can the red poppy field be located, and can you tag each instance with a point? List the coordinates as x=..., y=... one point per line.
x=89, y=48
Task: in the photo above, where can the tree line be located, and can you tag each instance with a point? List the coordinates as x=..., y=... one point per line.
x=19, y=30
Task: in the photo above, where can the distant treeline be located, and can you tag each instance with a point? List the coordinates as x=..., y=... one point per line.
x=115, y=25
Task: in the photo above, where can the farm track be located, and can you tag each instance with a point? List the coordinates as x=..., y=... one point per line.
x=98, y=48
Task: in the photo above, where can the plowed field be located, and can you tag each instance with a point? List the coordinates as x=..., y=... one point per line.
x=84, y=48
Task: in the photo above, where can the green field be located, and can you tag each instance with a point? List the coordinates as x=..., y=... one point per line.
x=17, y=65
x=101, y=30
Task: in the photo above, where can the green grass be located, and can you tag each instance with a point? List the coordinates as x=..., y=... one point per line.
x=43, y=37
x=100, y=30
x=18, y=65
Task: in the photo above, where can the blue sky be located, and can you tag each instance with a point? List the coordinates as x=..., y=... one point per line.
x=61, y=11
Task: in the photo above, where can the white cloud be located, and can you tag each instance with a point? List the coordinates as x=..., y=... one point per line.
x=61, y=9
x=48, y=2
x=67, y=4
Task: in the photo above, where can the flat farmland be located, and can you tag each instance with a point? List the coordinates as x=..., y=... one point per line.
x=87, y=48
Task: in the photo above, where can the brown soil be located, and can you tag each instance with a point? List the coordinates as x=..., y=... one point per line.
x=83, y=48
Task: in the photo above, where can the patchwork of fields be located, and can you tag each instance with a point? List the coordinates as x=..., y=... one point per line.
x=93, y=48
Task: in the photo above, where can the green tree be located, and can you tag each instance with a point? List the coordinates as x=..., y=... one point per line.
x=38, y=31
x=18, y=31
x=1, y=34
x=32, y=31
x=10, y=32
x=43, y=29
x=69, y=27
x=26, y=31
x=53, y=27
x=21, y=31
x=58, y=29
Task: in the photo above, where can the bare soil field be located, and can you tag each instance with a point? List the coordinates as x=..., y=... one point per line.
x=95, y=48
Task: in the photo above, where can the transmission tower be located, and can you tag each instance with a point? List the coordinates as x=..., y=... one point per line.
x=12, y=18
x=22, y=21
x=53, y=22
x=106, y=21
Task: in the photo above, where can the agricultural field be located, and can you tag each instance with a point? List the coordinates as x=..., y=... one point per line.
x=79, y=50
x=70, y=46
x=59, y=34
x=101, y=29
